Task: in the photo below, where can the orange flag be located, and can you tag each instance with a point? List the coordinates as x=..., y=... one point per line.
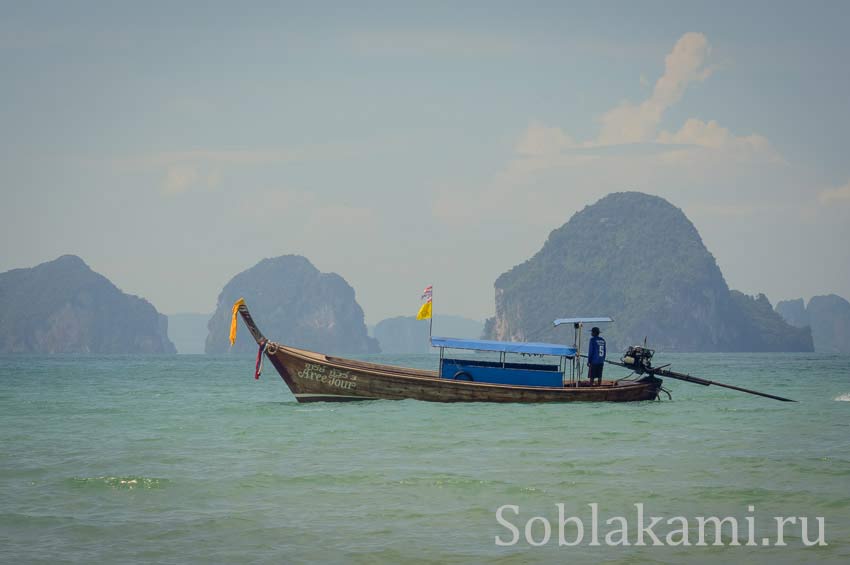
x=236, y=306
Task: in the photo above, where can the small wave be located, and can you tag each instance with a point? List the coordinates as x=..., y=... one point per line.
x=843, y=397
x=125, y=483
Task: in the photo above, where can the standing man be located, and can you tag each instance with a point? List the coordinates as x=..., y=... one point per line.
x=595, y=357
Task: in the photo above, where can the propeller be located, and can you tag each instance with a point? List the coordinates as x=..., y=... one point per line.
x=662, y=372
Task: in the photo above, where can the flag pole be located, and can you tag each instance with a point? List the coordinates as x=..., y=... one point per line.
x=431, y=319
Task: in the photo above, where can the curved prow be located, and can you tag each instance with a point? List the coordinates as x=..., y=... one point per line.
x=251, y=325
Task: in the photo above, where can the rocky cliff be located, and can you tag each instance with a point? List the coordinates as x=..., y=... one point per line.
x=295, y=304
x=62, y=306
x=764, y=329
x=638, y=259
x=793, y=312
x=829, y=319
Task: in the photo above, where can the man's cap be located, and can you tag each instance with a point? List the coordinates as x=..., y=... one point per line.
x=594, y=331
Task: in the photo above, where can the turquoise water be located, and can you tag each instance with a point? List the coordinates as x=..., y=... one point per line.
x=188, y=459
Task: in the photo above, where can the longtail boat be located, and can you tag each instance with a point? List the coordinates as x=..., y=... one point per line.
x=316, y=377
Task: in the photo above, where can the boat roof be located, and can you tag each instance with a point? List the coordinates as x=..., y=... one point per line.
x=504, y=346
x=582, y=320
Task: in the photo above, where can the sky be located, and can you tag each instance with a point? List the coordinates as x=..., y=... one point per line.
x=173, y=145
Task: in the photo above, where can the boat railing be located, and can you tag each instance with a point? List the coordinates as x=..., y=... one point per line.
x=504, y=364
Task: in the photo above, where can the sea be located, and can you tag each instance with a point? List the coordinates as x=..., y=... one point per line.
x=188, y=459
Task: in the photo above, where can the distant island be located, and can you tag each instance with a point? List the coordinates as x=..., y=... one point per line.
x=63, y=306
x=296, y=304
x=632, y=256
x=828, y=316
x=637, y=258
x=188, y=331
x=406, y=334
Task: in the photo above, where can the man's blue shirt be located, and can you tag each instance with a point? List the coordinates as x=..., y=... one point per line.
x=596, y=351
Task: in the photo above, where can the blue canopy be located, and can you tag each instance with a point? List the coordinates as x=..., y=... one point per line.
x=504, y=346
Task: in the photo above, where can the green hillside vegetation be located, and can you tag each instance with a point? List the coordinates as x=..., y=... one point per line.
x=639, y=259
x=766, y=329
x=63, y=306
x=295, y=304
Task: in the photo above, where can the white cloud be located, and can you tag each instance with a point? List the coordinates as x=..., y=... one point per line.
x=714, y=136
x=182, y=178
x=542, y=140
x=839, y=194
x=184, y=171
x=551, y=172
x=179, y=178
x=204, y=156
x=685, y=64
x=630, y=124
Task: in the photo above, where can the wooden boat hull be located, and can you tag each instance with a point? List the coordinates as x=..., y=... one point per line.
x=315, y=377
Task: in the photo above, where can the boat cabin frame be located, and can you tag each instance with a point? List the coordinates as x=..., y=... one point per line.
x=510, y=372
x=578, y=324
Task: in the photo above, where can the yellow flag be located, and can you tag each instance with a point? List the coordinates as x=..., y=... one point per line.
x=236, y=306
x=424, y=312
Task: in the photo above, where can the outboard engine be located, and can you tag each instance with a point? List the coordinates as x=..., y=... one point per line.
x=638, y=358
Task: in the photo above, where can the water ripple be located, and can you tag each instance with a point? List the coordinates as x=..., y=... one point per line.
x=116, y=483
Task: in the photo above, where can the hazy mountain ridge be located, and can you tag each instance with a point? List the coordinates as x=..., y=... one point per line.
x=639, y=259
x=406, y=334
x=188, y=331
x=63, y=306
x=828, y=316
x=765, y=329
x=294, y=303
x=793, y=312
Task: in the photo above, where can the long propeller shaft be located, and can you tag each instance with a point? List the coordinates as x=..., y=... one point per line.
x=701, y=381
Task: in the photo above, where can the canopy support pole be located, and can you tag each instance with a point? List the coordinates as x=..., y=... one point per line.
x=577, y=345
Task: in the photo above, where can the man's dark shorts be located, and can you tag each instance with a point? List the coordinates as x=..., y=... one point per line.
x=595, y=372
